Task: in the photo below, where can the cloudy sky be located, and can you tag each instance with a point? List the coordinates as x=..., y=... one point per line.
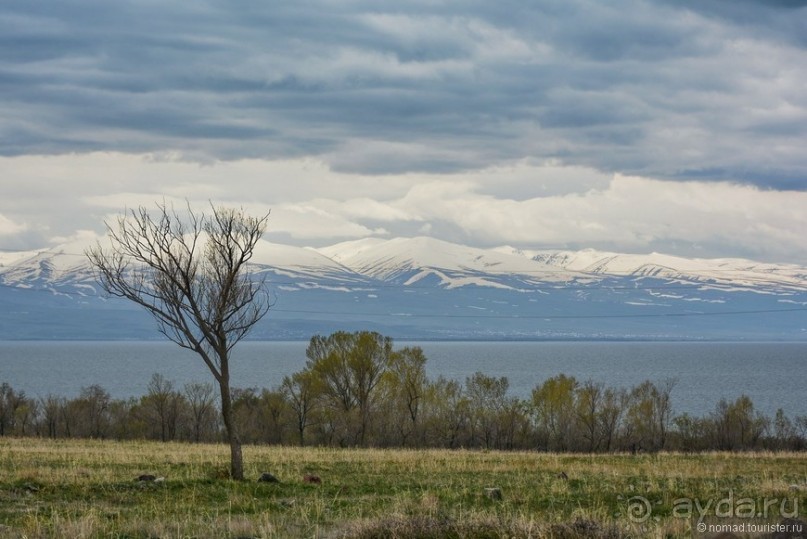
x=677, y=126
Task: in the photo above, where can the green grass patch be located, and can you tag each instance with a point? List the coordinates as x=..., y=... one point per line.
x=89, y=489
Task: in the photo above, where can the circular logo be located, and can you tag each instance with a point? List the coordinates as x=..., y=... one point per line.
x=639, y=509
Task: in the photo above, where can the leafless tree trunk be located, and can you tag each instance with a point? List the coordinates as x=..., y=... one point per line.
x=191, y=274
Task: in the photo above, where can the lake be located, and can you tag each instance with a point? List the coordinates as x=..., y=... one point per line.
x=774, y=375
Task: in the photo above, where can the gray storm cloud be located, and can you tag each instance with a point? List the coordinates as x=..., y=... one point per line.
x=702, y=90
x=634, y=125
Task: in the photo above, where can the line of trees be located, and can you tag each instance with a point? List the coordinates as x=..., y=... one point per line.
x=357, y=390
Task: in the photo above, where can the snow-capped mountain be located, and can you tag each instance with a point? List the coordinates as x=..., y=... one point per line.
x=419, y=288
x=53, y=269
x=726, y=271
x=409, y=260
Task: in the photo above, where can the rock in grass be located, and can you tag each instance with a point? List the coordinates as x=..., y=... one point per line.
x=266, y=477
x=493, y=493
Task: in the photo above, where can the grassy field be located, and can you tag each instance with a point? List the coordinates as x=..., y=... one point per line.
x=88, y=489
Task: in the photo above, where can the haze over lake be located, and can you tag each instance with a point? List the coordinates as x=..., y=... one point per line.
x=772, y=374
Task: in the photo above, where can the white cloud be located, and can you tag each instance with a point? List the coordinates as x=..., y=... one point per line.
x=631, y=213
x=79, y=241
x=530, y=123
x=677, y=90
x=531, y=204
x=9, y=227
x=310, y=222
x=366, y=208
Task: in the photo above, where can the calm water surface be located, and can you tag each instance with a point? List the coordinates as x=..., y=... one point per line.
x=774, y=375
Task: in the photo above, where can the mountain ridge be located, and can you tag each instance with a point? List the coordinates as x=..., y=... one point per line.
x=424, y=288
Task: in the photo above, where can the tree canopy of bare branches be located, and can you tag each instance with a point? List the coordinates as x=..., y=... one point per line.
x=190, y=271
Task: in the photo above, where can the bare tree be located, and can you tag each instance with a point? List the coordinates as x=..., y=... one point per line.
x=51, y=407
x=191, y=274
x=201, y=401
x=589, y=399
x=164, y=403
x=300, y=393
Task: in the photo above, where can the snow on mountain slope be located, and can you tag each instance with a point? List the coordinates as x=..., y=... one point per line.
x=348, y=249
x=63, y=259
x=51, y=269
x=414, y=259
x=724, y=271
x=427, y=288
x=8, y=258
x=426, y=260
x=290, y=264
x=65, y=269
x=279, y=255
x=289, y=256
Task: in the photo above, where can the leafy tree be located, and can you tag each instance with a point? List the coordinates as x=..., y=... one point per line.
x=650, y=413
x=246, y=414
x=738, y=425
x=123, y=423
x=487, y=396
x=448, y=412
x=553, y=403
x=349, y=368
x=14, y=405
x=190, y=273
x=693, y=433
x=405, y=382
x=273, y=416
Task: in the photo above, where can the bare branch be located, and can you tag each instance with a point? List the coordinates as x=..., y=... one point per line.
x=190, y=273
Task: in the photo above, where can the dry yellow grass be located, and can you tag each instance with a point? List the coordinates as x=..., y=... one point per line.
x=87, y=489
